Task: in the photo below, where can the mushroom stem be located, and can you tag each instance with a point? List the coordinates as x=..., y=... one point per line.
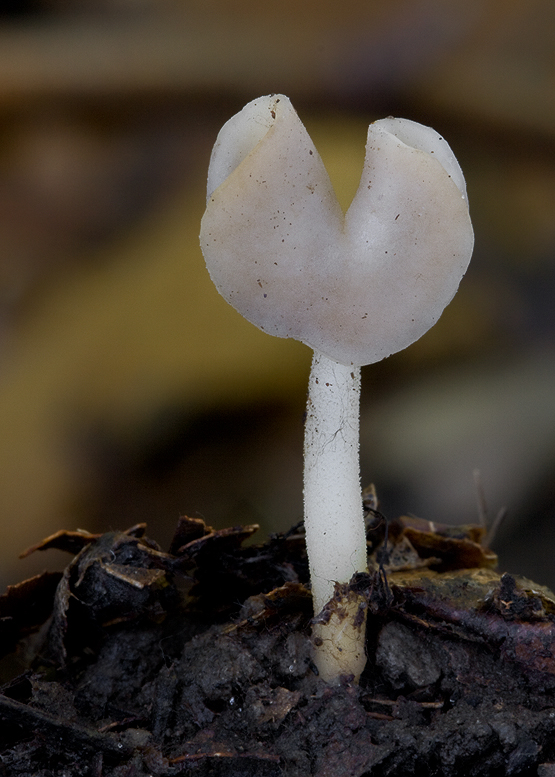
x=334, y=521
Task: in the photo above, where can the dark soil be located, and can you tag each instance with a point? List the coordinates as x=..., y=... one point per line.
x=198, y=662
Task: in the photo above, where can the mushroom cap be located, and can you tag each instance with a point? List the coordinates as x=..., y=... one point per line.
x=357, y=286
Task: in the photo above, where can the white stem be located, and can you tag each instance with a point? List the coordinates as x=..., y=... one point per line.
x=334, y=522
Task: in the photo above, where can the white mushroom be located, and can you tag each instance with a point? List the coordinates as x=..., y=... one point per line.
x=355, y=287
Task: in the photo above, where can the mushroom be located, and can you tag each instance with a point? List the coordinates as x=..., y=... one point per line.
x=355, y=287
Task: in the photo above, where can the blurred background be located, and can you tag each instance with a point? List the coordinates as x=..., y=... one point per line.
x=130, y=391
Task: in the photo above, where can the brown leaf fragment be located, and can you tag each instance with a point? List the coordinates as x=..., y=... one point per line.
x=138, y=530
x=217, y=541
x=20, y=599
x=25, y=607
x=70, y=541
x=135, y=576
x=187, y=530
x=402, y=555
x=471, y=531
x=457, y=547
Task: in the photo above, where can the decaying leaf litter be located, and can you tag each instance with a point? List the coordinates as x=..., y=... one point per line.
x=198, y=660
